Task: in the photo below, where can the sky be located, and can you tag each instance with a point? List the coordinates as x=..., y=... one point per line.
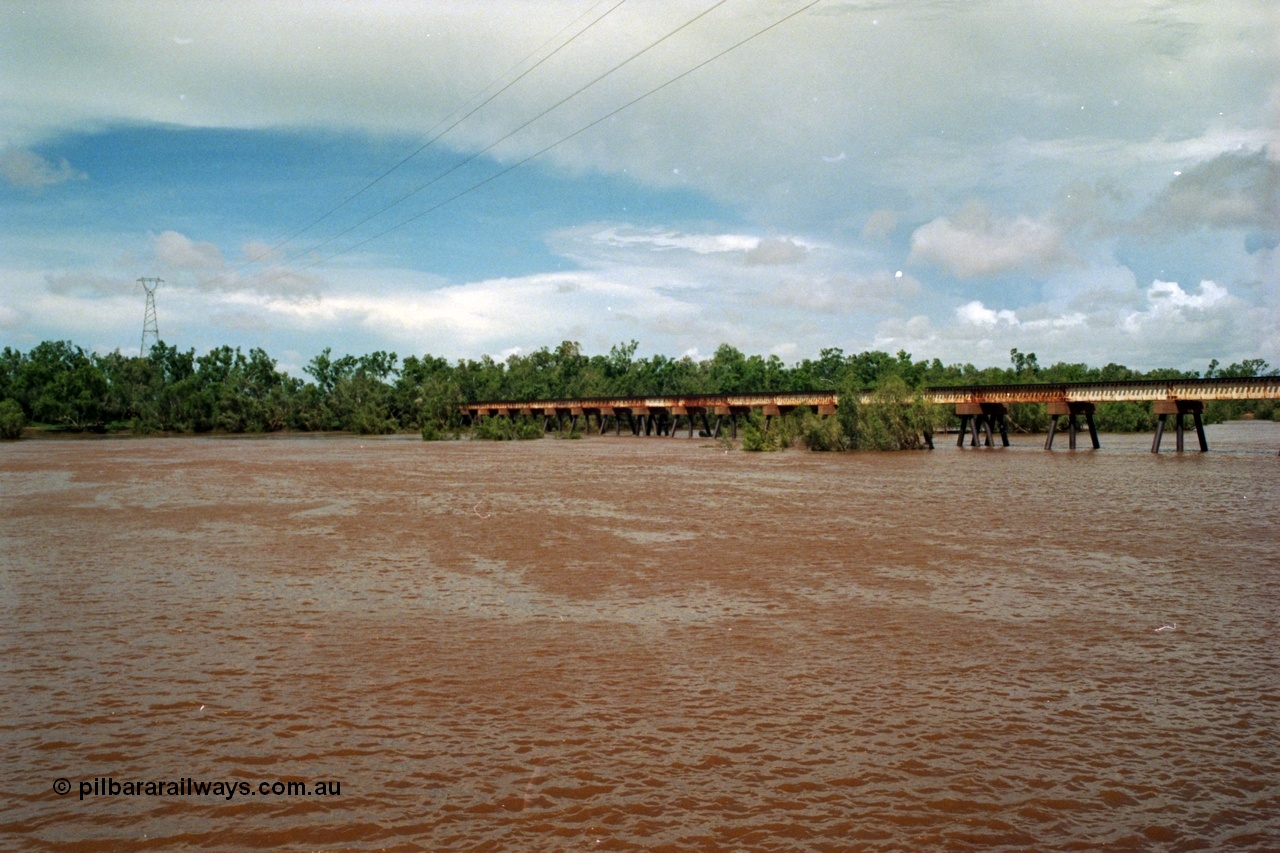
x=1095, y=181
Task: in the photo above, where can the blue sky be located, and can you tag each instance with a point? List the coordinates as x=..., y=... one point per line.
x=1094, y=181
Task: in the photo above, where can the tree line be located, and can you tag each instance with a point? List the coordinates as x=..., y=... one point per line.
x=59, y=385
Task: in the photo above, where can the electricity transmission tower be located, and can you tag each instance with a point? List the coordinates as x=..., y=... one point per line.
x=149, y=326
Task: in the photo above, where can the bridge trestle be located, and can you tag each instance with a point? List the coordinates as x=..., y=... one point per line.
x=982, y=410
x=1072, y=410
x=1179, y=409
x=985, y=417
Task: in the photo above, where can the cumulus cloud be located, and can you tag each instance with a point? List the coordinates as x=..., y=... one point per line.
x=1171, y=326
x=846, y=294
x=88, y=284
x=1233, y=190
x=879, y=224
x=924, y=105
x=10, y=318
x=1169, y=304
x=199, y=265
x=281, y=282
x=977, y=314
x=492, y=314
x=775, y=252
x=975, y=244
x=180, y=253
x=27, y=170
x=1041, y=318
x=256, y=250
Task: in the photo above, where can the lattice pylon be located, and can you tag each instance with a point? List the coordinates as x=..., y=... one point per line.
x=149, y=324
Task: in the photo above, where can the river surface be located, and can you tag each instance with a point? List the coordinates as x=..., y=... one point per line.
x=637, y=644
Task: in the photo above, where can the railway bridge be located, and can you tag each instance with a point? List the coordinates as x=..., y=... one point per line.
x=982, y=409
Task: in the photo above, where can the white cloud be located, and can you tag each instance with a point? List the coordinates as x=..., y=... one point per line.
x=1239, y=189
x=1169, y=305
x=88, y=284
x=843, y=293
x=775, y=252
x=185, y=263
x=975, y=244
x=702, y=244
x=1172, y=327
x=879, y=224
x=977, y=314
x=179, y=253
x=10, y=318
x=28, y=170
x=820, y=86
x=256, y=251
x=924, y=105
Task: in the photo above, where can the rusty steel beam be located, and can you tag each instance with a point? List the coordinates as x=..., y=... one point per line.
x=1138, y=390
x=825, y=402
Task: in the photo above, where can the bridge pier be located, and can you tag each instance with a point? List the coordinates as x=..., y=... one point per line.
x=770, y=412
x=979, y=408
x=985, y=417
x=659, y=418
x=603, y=413
x=732, y=411
x=705, y=412
x=691, y=413
x=1179, y=408
x=1058, y=408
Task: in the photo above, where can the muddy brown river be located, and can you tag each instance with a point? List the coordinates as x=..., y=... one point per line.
x=638, y=644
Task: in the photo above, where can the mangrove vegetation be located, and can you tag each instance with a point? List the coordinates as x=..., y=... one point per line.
x=59, y=386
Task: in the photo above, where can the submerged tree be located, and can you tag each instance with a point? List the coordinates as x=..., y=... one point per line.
x=12, y=419
x=895, y=418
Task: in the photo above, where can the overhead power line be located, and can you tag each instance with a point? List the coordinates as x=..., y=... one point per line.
x=555, y=144
x=493, y=145
x=434, y=136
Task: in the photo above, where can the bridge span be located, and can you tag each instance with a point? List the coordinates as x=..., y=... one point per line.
x=982, y=409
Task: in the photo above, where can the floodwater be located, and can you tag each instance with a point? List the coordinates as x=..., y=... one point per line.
x=635, y=644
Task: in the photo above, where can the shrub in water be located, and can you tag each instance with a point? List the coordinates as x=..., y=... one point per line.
x=12, y=419
x=895, y=418
x=756, y=438
x=529, y=429
x=819, y=433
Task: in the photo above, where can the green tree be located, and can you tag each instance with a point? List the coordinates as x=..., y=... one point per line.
x=755, y=438
x=824, y=433
x=895, y=418
x=63, y=386
x=12, y=419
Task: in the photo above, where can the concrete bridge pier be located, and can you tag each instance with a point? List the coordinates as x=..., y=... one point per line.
x=1058, y=408
x=985, y=417
x=1179, y=408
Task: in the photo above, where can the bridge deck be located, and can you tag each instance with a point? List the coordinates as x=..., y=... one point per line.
x=1248, y=388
